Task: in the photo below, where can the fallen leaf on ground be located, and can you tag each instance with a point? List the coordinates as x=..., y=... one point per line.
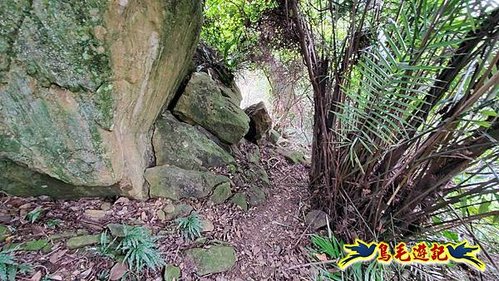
x=86, y=273
x=118, y=271
x=321, y=257
x=54, y=258
x=36, y=277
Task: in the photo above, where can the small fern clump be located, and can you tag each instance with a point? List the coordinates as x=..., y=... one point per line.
x=137, y=248
x=34, y=215
x=190, y=226
x=9, y=267
x=107, y=246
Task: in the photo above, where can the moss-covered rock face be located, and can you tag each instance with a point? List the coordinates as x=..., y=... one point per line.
x=176, y=183
x=171, y=273
x=239, y=199
x=204, y=103
x=4, y=232
x=221, y=193
x=81, y=83
x=182, y=145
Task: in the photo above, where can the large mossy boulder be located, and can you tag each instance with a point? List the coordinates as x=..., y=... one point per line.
x=182, y=145
x=176, y=183
x=293, y=156
x=203, y=102
x=81, y=84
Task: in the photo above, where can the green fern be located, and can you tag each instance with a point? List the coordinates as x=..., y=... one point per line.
x=137, y=248
x=34, y=215
x=107, y=246
x=190, y=226
x=9, y=267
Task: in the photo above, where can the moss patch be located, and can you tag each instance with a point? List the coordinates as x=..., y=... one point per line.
x=56, y=41
x=212, y=260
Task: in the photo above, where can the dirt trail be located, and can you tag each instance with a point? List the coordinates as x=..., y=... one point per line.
x=272, y=235
x=269, y=239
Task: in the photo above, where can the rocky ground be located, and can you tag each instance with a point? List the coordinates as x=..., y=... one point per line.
x=269, y=240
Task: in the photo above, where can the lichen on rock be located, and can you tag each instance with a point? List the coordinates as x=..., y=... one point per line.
x=81, y=84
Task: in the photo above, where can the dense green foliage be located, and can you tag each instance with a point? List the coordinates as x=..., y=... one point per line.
x=229, y=27
x=33, y=215
x=405, y=99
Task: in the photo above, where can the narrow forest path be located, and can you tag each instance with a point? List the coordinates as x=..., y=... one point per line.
x=272, y=235
x=268, y=239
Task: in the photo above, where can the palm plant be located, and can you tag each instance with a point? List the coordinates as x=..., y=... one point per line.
x=405, y=100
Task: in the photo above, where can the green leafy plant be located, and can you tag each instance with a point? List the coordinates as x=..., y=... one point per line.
x=103, y=275
x=53, y=223
x=190, y=226
x=9, y=267
x=333, y=249
x=107, y=245
x=405, y=99
x=137, y=248
x=229, y=28
x=34, y=215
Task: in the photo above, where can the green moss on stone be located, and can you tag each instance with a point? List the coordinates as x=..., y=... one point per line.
x=212, y=260
x=172, y=273
x=182, y=145
x=35, y=245
x=105, y=105
x=4, y=232
x=221, y=193
x=56, y=37
x=176, y=183
x=82, y=241
x=239, y=199
x=203, y=103
x=11, y=16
